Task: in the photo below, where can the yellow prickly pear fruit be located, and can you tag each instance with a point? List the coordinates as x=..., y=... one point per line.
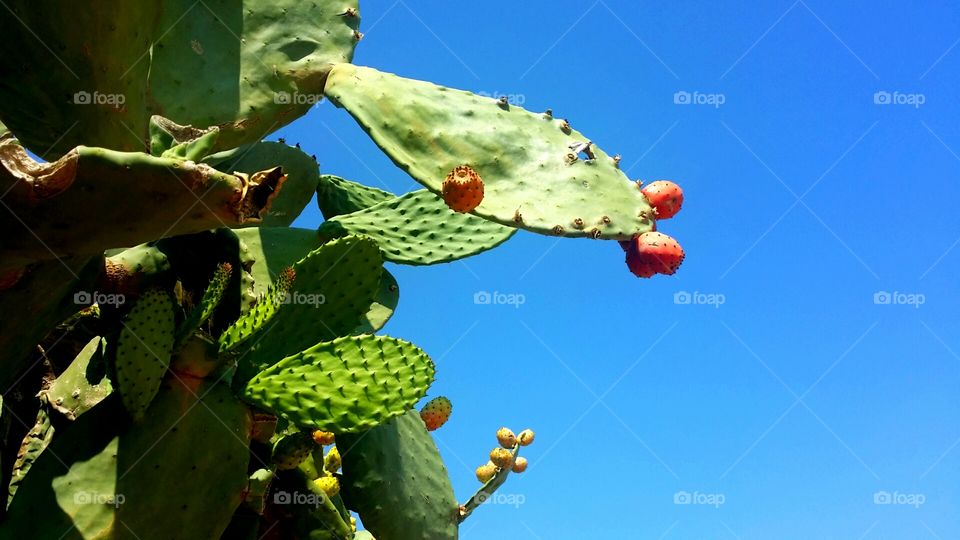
x=328, y=484
x=331, y=462
x=520, y=465
x=501, y=457
x=486, y=472
x=506, y=438
x=526, y=437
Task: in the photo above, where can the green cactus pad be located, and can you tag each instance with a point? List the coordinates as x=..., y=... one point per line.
x=383, y=306
x=257, y=318
x=529, y=181
x=334, y=288
x=336, y=196
x=419, y=229
x=72, y=204
x=83, y=384
x=271, y=249
x=143, y=350
x=292, y=450
x=33, y=445
x=346, y=385
x=302, y=176
x=248, y=69
x=106, y=478
x=394, y=478
x=207, y=305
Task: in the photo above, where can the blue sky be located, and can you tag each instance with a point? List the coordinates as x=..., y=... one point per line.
x=820, y=157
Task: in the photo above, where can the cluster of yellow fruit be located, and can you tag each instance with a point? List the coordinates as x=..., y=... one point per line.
x=327, y=480
x=505, y=456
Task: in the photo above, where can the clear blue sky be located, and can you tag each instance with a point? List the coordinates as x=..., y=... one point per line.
x=796, y=402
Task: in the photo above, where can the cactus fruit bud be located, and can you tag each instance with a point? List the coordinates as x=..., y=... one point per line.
x=463, y=189
x=501, y=457
x=323, y=438
x=654, y=253
x=436, y=412
x=506, y=438
x=328, y=484
x=665, y=197
x=526, y=437
x=486, y=472
x=332, y=462
x=520, y=465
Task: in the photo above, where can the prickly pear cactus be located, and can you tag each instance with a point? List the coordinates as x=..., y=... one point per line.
x=202, y=365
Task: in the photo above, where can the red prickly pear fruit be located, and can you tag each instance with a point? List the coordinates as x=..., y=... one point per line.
x=654, y=253
x=506, y=438
x=665, y=197
x=436, y=412
x=463, y=189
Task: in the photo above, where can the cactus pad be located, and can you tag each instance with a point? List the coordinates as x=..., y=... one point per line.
x=83, y=384
x=346, y=385
x=532, y=174
x=383, y=306
x=419, y=229
x=102, y=72
x=394, y=478
x=336, y=196
x=143, y=350
x=334, y=288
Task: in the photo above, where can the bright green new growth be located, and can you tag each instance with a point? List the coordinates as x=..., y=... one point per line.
x=532, y=177
x=143, y=350
x=419, y=229
x=395, y=479
x=346, y=385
